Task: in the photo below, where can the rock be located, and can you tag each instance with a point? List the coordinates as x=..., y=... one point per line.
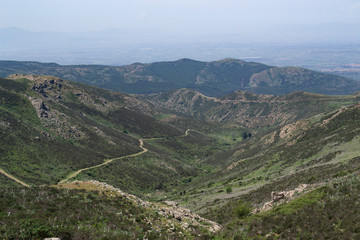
x=41, y=109
x=52, y=238
x=171, y=203
x=277, y=196
x=280, y=197
x=46, y=135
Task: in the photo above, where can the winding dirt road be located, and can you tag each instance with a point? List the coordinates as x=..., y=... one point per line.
x=141, y=145
x=74, y=174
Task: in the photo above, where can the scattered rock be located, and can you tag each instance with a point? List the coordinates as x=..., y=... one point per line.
x=282, y=197
x=172, y=203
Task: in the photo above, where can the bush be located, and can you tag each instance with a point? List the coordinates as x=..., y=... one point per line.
x=243, y=209
x=228, y=189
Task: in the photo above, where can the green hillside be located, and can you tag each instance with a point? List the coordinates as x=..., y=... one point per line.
x=42, y=116
x=92, y=210
x=262, y=166
x=318, y=157
x=210, y=78
x=256, y=112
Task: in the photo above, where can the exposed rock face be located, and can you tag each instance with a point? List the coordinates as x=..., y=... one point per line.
x=41, y=109
x=41, y=83
x=48, y=90
x=60, y=105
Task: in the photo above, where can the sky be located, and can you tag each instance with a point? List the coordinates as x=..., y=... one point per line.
x=189, y=17
x=126, y=31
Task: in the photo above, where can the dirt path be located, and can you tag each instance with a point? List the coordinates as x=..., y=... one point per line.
x=141, y=145
x=14, y=178
x=74, y=174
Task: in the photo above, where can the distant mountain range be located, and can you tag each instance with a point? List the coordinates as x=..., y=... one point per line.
x=211, y=78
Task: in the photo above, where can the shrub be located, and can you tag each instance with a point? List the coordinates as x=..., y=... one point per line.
x=243, y=209
x=228, y=189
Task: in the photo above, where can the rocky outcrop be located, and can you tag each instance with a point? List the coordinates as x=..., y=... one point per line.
x=41, y=109
x=179, y=216
x=41, y=83
x=278, y=197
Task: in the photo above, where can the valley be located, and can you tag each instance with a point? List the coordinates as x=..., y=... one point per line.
x=173, y=165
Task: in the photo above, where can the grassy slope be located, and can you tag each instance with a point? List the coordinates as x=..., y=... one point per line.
x=330, y=212
x=32, y=149
x=324, y=149
x=39, y=213
x=310, y=151
x=256, y=112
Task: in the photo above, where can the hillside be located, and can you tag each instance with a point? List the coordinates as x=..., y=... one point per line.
x=42, y=116
x=94, y=210
x=252, y=111
x=242, y=160
x=210, y=78
x=291, y=177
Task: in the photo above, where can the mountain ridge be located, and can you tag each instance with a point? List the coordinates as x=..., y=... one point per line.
x=248, y=109
x=211, y=78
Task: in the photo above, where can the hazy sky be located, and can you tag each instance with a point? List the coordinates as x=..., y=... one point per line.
x=186, y=16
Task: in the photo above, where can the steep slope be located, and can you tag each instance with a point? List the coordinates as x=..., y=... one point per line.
x=54, y=130
x=51, y=127
x=94, y=210
x=313, y=151
x=211, y=78
x=330, y=211
x=256, y=112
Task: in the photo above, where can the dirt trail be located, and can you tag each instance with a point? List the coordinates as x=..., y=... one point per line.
x=74, y=174
x=141, y=145
x=14, y=178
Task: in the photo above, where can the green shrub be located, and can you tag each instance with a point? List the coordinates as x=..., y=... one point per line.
x=228, y=189
x=243, y=209
x=340, y=174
